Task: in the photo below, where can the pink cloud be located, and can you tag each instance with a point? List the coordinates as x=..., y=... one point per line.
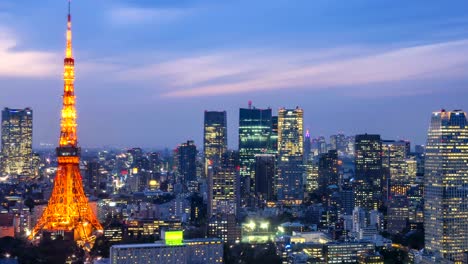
x=203, y=75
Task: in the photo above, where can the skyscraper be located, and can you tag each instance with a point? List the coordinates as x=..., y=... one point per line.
x=255, y=128
x=328, y=170
x=17, y=126
x=307, y=147
x=223, y=185
x=214, y=138
x=290, y=151
x=394, y=155
x=446, y=185
x=186, y=157
x=265, y=172
x=367, y=183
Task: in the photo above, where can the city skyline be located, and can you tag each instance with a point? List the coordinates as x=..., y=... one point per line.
x=323, y=61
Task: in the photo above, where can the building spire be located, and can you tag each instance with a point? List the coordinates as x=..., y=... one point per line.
x=69, y=33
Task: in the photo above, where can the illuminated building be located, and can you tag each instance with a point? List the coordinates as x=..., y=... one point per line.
x=223, y=184
x=311, y=177
x=215, y=138
x=338, y=143
x=446, y=185
x=225, y=227
x=347, y=252
x=290, y=150
x=186, y=156
x=255, y=129
x=172, y=249
x=369, y=258
x=17, y=155
x=274, y=134
x=394, y=155
x=307, y=147
x=367, y=183
x=68, y=210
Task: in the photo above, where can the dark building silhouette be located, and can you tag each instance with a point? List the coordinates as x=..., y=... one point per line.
x=265, y=172
x=368, y=181
x=186, y=157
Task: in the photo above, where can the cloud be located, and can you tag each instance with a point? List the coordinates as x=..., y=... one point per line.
x=25, y=63
x=141, y=15
x=232, y=72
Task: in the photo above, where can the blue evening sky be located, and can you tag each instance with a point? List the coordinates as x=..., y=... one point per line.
x=147, y=69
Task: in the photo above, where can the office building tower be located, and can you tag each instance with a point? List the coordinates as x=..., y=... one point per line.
x=224, y=227
x=223, y=186
x=186, y=157
x=255, y=128
x=397, y=214
x=419, y=149
x=328, y=171
x=290, y=150
x=368, y=178
x=274, y=135
x=338, y=142
x=92, y=176
x=394, y=155
x=215, y=138
x=265, y=173
x=307, y=147
x=446, y=185
x=17, y=127
x=322, y=145
x=311, y=170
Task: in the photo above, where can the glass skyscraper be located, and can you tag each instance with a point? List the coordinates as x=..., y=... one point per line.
x=446, y=185
x=17, y=126
x=368, y=178
x=214, y=138
x=255, y=129
x=291, y=150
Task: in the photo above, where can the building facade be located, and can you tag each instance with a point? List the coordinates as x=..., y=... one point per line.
x=291, y=168
x=17, y=129
x=214, y=137
x=368, y=181
x=446, y=185
x=255, y=130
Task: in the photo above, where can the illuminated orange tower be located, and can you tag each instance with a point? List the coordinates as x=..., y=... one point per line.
x=68, y=209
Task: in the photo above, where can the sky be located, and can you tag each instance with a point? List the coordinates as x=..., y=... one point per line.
x=147, y=70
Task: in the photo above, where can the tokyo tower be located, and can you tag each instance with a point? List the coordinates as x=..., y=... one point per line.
x=68, y=210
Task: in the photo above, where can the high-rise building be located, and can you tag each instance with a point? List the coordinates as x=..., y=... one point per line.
x=367, y=183
x=397, y=214
x=307, y=147
x=17, y=129
x=223, y=185
x=394, y=155
x=186, y=157
x=338, y=142
x=290, y=150
x=255, y=129
x=446, y=185
x=328, y=170
x=274, y=134
x=215, y=138
x=265, y=173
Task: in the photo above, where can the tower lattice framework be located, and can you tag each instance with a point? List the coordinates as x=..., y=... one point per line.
x=68, y=209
